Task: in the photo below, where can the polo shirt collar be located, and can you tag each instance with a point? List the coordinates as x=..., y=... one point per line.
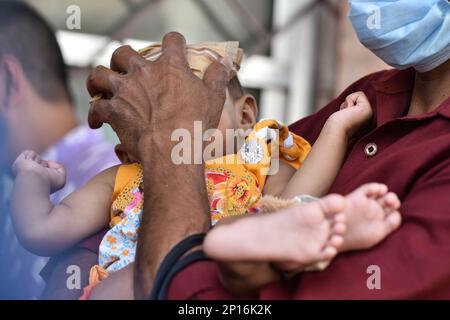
x=394, y=92
x=395, y=81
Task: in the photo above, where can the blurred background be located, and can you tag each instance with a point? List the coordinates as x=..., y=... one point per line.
x=299, y=53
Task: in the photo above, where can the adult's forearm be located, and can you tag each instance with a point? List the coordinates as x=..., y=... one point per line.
x=175, y=201
x=175, y=206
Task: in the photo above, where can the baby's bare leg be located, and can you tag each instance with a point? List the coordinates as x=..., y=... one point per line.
x=301, y=235
x=289, y=239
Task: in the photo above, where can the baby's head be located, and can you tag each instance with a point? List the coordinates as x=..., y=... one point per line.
x=240, y=109
x=239, y=113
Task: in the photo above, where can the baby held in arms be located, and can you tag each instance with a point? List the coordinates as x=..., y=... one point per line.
x=295, y=226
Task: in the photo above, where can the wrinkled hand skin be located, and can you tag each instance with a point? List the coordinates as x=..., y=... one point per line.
x=143, y=97
x=145, y=102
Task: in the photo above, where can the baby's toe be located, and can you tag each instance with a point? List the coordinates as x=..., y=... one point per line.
x=336, y=241
x=332, y=205
x=374, y=190
x=339, y=228
x=394, y=220
x=340, y=218
x=393, y=201
x=328, y=253
x=390, y=202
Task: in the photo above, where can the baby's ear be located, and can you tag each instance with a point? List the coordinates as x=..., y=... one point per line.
x=122, y=154
x=248, y=111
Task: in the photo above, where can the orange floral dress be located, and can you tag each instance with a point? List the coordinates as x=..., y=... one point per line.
x=234, y=184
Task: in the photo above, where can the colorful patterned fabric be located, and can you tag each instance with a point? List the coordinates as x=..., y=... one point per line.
x=234, y=184
x=118, y=247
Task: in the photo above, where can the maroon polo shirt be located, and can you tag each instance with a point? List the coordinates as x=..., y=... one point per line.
x=412, y=156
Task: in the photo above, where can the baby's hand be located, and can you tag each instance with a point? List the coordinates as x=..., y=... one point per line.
x=355, y=113
x=55, y=173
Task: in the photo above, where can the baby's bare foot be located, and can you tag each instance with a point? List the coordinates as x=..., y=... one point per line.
x=371, y=215
x=299, y=236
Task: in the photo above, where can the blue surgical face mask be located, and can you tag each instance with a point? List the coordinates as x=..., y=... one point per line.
x=404, y=33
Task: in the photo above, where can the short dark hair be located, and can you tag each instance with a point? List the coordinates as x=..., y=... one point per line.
x=235, y=88
x=25, y=35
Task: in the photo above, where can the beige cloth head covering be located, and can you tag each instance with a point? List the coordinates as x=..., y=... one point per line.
x=199, y=56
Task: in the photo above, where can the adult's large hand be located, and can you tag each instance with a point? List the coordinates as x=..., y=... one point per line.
x=145, y=102
x=142, y=97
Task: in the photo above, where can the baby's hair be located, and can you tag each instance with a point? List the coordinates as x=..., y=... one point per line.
x=235, y=88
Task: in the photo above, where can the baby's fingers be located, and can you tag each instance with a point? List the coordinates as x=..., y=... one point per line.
x=350, y=101
x=356, y=98
x=362, y=99
x=28, y=155
x=343, y=105
x=55, y=165
x=23, y=160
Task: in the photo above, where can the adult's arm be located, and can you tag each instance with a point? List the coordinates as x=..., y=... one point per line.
x=414, y=261
x=200, y=281
x=148, y=101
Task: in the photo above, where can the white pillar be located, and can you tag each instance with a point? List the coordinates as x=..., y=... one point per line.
x=295, y=49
